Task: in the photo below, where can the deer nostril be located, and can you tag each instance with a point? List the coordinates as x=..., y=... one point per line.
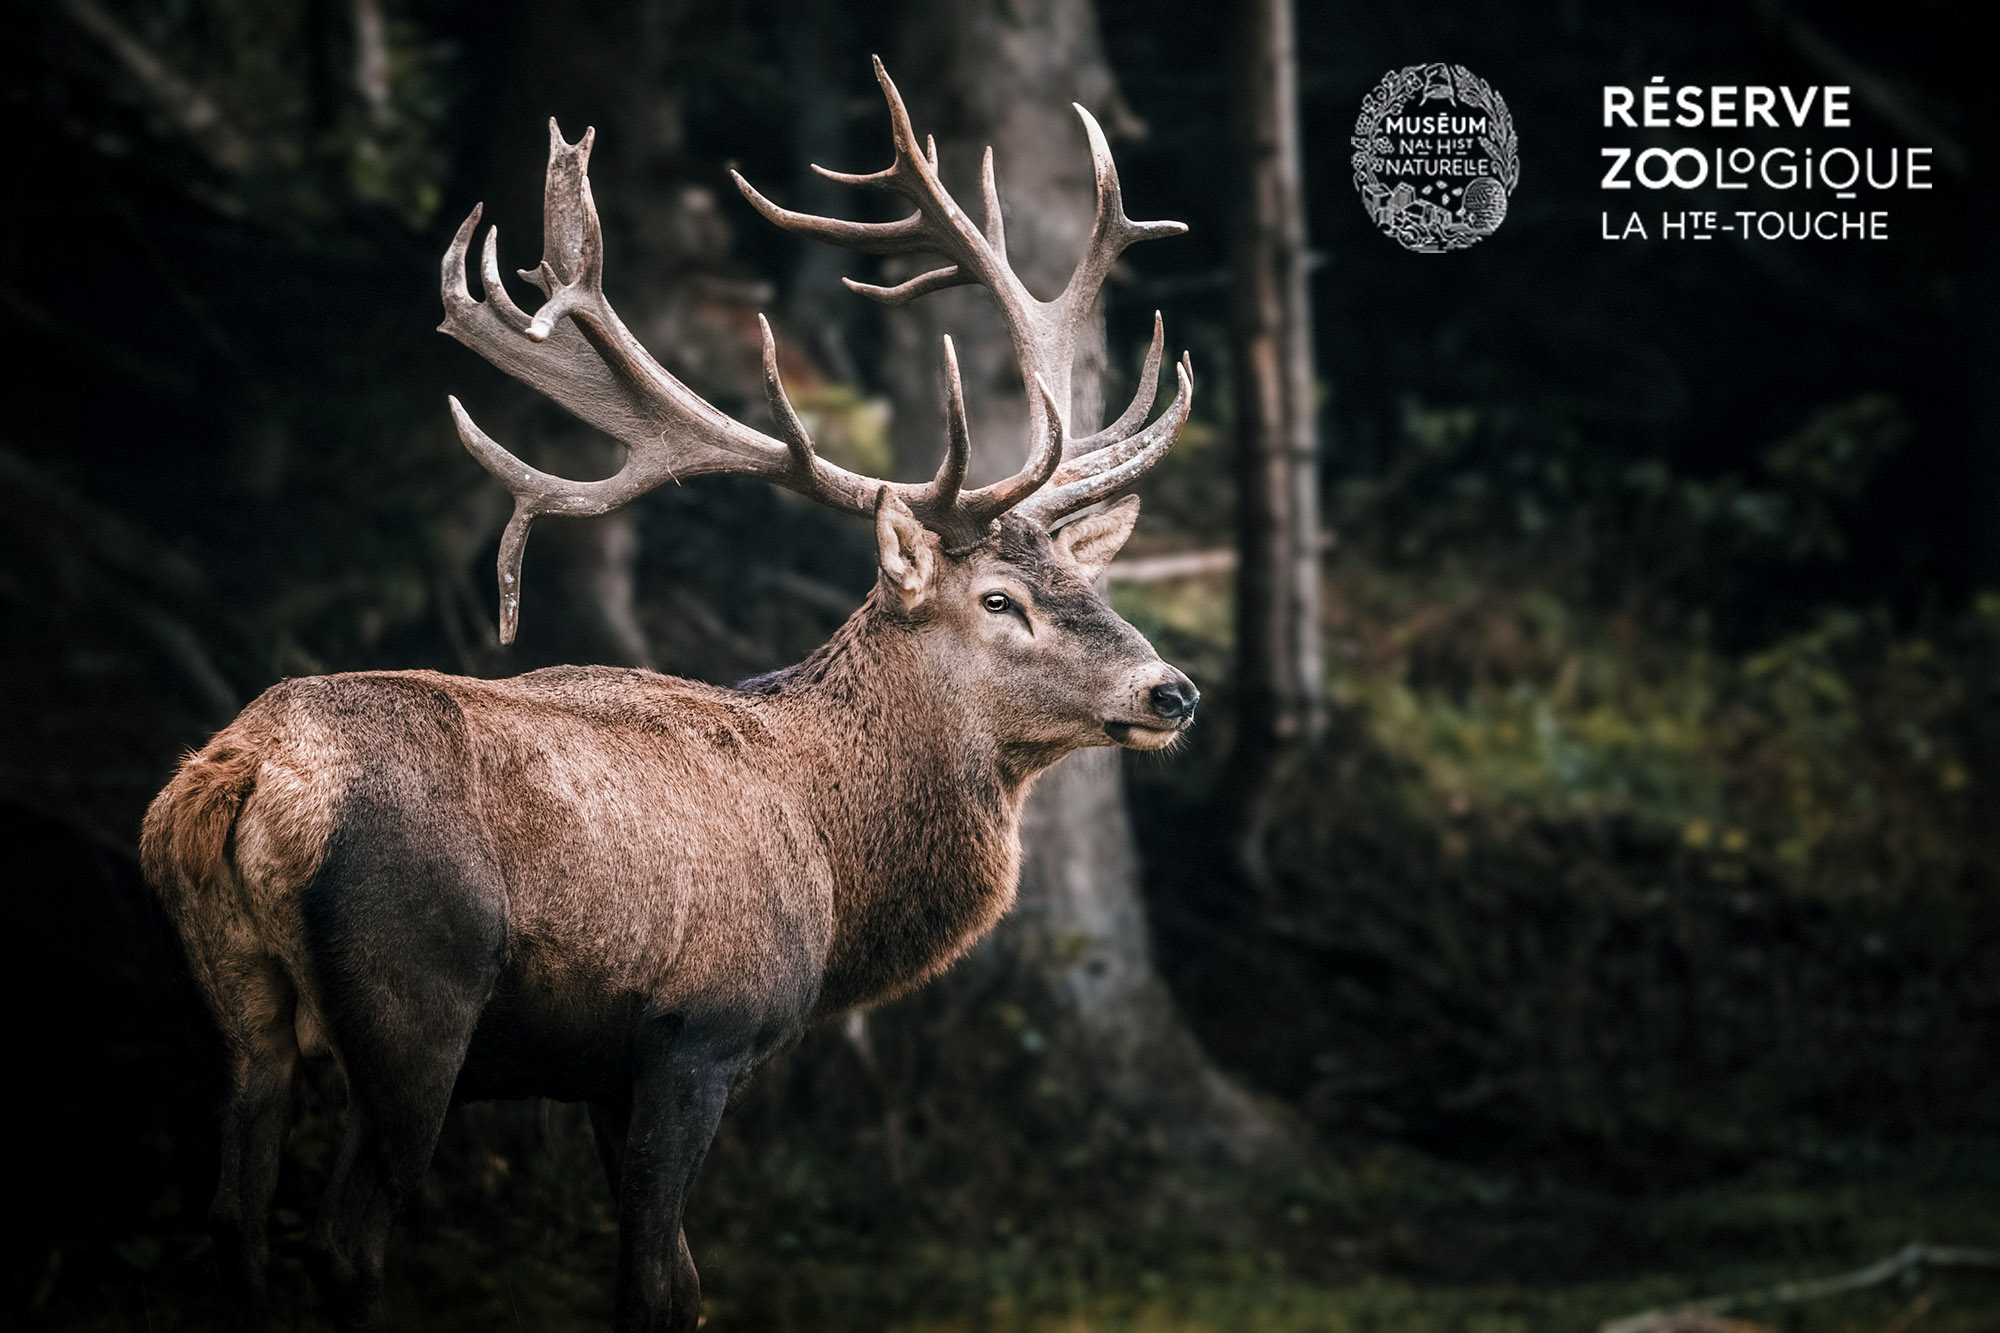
x=1175, y=700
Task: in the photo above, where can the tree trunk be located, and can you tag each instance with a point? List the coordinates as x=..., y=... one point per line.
x=821, y=312
x=1076, y=950
x=1278, y=673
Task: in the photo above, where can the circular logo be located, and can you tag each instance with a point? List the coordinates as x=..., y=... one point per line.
x=1435, y=157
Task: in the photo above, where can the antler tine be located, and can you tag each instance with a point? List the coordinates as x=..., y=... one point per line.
x=493, y=286
x=902, y=133
x=996, y=227
x=937, y=225
x=936, y=280
x=941, y=495
x=796, y=440
x=989, y=502
x=571, y=274
x=1136, y=411
x=451, y=279
x=867, y=180
x=1086, y=479
x=1112, y=231
x=535, y=493
x=901, y=237
x=907, y=176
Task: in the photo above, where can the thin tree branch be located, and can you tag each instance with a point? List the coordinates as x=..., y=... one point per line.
x=1911, y=1257
x=193, y=112
x=1179, y=565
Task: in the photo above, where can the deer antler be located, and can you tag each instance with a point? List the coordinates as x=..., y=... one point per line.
x=577, y=351
x=1044, y=333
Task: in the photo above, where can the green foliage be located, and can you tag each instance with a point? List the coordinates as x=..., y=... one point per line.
x=1597, y=867
x=1476, y=630
x=1835, y=758
x=305, y=113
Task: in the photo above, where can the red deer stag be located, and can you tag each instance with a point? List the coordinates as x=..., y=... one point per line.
x=620, y=888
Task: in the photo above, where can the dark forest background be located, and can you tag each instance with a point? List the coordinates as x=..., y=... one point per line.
x=1625, y=938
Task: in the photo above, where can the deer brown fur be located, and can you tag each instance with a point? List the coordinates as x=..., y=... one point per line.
x=617, y=887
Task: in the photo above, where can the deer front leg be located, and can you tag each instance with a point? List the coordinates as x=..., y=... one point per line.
x=680, y=1083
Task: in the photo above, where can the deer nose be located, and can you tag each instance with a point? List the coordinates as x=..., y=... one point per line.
x=1175, y=700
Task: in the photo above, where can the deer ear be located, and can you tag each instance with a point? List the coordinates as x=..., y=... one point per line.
x=905, y=549
x=1094, y=539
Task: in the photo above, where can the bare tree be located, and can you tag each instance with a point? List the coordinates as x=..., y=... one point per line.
x=1003, y=72
x=1280, y=705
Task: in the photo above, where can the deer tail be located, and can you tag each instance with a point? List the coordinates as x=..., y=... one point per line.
x=186, y=834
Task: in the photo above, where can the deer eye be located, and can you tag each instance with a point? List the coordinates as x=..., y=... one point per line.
x=999, y=603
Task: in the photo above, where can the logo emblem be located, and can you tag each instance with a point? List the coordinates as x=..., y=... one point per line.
x=1435, y=157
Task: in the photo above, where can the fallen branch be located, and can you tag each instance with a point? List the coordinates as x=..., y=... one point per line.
x=1180, y=565
x=1687, y=1318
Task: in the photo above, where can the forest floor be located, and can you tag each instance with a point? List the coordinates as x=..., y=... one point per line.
x=1433, y=1248
x=1438, y=1248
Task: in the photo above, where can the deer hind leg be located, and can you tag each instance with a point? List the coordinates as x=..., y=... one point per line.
x=256, y=1007
x=680, y=1084
x=406, y=925
x=610, y=1126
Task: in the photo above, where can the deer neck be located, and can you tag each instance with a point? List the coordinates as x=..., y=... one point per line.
x=920, y=813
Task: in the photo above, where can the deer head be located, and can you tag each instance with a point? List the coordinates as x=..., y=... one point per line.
x=990, y=581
